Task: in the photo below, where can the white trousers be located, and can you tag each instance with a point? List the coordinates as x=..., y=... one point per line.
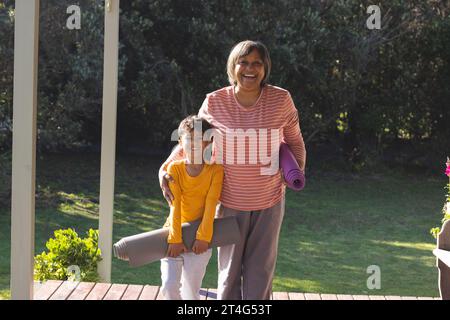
x=182, y=276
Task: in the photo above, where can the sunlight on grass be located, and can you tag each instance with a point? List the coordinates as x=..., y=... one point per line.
x=158, y=203
x=411, y=245
x=296, y=284
x=5, y=294
x=75, y=204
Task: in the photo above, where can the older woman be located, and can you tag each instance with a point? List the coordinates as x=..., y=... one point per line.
x=256, y=198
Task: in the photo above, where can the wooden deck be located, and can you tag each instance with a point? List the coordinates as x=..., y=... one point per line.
x=65, y=290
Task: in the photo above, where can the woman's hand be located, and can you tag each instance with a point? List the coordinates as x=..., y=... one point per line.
x=200, y=246
x=165, y=188
x=282, y=177
x=175, y=249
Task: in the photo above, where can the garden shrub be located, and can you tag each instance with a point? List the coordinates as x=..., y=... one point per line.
x=66, y=250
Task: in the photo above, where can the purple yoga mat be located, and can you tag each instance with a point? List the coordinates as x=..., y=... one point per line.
x=295, y=178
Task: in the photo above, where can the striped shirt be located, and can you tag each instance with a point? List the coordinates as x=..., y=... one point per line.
x=270, y=120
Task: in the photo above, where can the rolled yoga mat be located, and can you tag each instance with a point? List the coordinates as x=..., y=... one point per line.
x=151, y=246
x=295, y=178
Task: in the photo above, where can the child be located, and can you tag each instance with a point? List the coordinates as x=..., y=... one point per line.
x=196, y=188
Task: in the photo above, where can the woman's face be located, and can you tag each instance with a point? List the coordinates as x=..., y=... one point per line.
x=249, y=71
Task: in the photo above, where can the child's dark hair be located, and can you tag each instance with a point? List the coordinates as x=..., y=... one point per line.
x=188, y=124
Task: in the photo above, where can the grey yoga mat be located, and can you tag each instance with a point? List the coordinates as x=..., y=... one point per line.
x=151, y=246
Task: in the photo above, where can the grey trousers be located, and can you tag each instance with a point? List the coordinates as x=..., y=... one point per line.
x=246, y=269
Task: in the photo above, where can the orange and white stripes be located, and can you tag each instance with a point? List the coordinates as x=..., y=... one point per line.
x=273, y=118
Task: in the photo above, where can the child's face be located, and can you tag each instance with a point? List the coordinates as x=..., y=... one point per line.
x=193, y=143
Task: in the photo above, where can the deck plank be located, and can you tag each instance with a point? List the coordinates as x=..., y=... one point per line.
x=116, y=292
x=64, y=290
x=393, y=297
x=47, y=289
x=99, y=291
x=327, y=296
x=377, y=297
x=133, y=292
x=36, y=286
x=344, y=297
x=280, y=296
x=160, y=296
x=81, y=291
x=149, y=293
x=360, y=297
x=296, y=296
x=409, y=298
x=312, y=296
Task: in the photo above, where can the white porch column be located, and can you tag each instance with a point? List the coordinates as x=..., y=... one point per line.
x=108, y=151
x=26, y=38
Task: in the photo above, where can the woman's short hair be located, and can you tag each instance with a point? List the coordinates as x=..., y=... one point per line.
x=244, y=48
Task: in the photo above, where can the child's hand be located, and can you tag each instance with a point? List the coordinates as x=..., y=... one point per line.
x=282, y=177
x=200, y=246
x=175, y=249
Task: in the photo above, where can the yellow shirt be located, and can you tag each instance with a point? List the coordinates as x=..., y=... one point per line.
x=194, y=198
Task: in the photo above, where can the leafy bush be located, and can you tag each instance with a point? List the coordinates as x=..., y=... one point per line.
x=65, y=250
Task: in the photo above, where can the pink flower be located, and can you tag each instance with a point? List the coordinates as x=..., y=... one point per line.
x=447, y=171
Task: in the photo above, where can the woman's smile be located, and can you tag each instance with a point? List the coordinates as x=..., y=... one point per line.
x=249, y=78
x=250, y=71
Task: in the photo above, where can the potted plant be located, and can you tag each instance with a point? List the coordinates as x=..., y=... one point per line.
x=446, y=209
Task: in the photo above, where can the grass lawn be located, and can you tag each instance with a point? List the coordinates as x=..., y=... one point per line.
x=333, y=230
